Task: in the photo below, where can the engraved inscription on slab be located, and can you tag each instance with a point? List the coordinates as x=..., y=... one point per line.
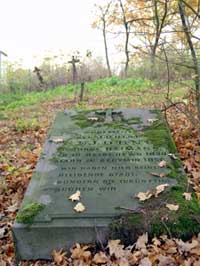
x=109, y=156
x=108, y=164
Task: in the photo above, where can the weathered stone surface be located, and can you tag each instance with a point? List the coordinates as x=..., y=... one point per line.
x=109, y=155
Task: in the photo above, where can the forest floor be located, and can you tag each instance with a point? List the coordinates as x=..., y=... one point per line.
x=22, y=134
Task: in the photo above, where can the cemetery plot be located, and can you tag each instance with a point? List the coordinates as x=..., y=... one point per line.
x=97, y=166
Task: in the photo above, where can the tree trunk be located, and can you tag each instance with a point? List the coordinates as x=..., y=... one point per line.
x=126, y=51
x=106, y=48
x=186, y=30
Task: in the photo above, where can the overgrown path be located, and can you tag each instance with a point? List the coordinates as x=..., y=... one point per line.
x=22, y=136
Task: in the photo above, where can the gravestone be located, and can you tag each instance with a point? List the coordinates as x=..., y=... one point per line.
x=109, y=156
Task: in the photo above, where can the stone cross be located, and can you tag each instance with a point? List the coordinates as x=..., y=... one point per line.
x=74, y=70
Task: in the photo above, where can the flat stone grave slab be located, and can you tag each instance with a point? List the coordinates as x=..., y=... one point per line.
x=110, y=156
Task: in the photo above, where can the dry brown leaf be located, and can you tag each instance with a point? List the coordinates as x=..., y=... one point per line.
x=196, y=175
x=158, y=174
x=115, y=248
x=123, y=262
x=145, y=262
x=2, y=232
x=79, y=207
x=13, y=208
x=162, y=164
x=82, y=253
x=142, y=241
x=172, y=207
x=187, y=195
x=100, y=258
x=186, y=246
x=144, y=195
x=195, y=251
x=165, y=260
x=172, y=250
x=59, y=257
x=76, y=196
x=160, y=189
x=156, y=241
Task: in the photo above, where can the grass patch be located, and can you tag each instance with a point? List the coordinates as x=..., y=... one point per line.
x=26, y=124
x=112, y=92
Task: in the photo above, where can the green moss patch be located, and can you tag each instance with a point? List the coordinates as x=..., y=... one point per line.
x=28, y=212
x=156, y=219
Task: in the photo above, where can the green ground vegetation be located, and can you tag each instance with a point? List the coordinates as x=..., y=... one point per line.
x=113, y=92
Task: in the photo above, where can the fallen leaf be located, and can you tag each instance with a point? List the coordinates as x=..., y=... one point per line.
x=173, y=156
x=172, y=250
x=76, y=196
x=13, y=208
x=172, y=207
x=195, y=251
x=57, y=139
x=156, y=241
x=186, y=246
x=93, y=118
x=188, y=196
x=144, y=195
x=82, y=253
x=165, y=260
x=162, y=164
x=145, y=262
x=158, y=174
x=79, y=207
x=152, y=120
x=160, y=189
x=115, y=248
x=142, y=241
x=196, y=175
x=59, y=257
x=100, y=258
x=2, y=232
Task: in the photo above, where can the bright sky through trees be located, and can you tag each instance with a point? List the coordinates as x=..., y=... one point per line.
x=29, y=28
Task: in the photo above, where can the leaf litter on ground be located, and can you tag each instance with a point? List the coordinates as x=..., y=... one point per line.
x=19, y=148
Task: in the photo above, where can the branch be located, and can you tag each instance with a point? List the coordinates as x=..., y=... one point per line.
x=191, y=8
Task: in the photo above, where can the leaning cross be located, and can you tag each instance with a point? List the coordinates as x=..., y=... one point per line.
x=108, y=114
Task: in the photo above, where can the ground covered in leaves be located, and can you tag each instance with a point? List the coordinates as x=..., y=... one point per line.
x=22, y=136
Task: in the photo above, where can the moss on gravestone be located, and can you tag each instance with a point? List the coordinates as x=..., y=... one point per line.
x=28, y=212
x=156, y=219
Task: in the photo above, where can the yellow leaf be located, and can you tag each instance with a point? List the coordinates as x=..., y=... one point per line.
x=172, y=207
x=144, y=195
x=76, y=196
x=188, y=196
x=160, y=189
x=79, y=207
